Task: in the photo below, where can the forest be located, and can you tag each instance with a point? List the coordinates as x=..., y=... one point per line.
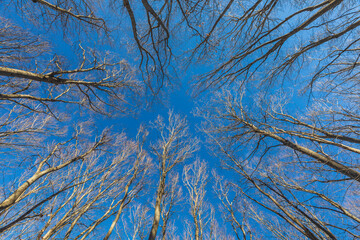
x=179, y=119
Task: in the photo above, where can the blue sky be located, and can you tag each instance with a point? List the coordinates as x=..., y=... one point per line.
x=179, y=97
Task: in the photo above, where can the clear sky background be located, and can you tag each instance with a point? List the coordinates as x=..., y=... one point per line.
x=262, y=93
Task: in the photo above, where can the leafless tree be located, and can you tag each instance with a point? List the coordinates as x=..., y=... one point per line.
x=72, y=183
x=74, y=189
x=264, y=41
x=173, y=197
x=70, y=17
x=137, y=222
x=294, y=174
x=18, y=46
x=300, y=170
x=69, y=188
x=130, y=191
x=216, y=230
x=95, y=83
x=195, y=180
x=235, y=209
x=167, y=26
x=35, y=76
x=173, y=147
x=36, y=92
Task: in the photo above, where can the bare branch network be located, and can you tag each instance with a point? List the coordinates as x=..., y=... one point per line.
x=271, y=150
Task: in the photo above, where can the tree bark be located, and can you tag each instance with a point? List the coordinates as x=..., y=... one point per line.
x=159, y=196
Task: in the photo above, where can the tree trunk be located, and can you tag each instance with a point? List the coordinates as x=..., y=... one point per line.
x=159, y=196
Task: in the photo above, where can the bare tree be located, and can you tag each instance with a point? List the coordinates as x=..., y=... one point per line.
x=294, y=174
x=195, y=180
x=70, y=17
x=264, y=41
x=38, y=90
x=235, y=209
x=173, y=147
x=46, y=165
x=130, y=191
x=298, y=169
x=69, y=187
x=173, y=197
x=95, y=84
x=18, y=46
x=137, y=222
x=65, y=190
x=37, y=77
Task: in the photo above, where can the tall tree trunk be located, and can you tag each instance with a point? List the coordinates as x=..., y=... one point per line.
x=159, y=196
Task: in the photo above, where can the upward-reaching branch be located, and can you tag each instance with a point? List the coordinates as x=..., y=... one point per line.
x=172, y=148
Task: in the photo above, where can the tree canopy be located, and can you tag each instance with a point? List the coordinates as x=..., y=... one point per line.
x=268, y=147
